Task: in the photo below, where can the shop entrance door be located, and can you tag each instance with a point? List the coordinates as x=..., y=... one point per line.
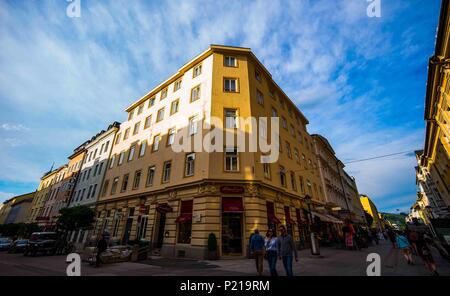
x=126, y=233
x=232, y=234
x=161, y=224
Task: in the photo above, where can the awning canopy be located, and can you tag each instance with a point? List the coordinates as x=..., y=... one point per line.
x=273, y=219
x=184, y=218
x=232, y=205
x=164, y=208
x=326, y=218
x=287, y=214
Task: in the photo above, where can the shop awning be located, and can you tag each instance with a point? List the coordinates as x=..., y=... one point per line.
x=287, y=214
x=326, y=218
x=232, y=205
x=164, y=208
x=184, y=218
x=273, y=219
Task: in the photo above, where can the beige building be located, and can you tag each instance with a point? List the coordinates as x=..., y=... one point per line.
x=16, y=209
x=176, y=199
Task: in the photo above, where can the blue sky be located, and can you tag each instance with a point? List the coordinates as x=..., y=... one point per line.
x=360, y=81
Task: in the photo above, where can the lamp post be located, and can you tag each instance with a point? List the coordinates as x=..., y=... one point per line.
x=314, y=243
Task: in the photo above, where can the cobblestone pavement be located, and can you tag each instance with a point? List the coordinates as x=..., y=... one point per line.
x=332, y=262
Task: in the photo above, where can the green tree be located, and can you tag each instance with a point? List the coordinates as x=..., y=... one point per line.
x=75, y=218
x=369, y=218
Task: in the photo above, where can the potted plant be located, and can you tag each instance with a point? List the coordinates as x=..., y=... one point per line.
x=212, y=247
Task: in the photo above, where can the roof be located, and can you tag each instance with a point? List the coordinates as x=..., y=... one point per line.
x=20, y=198
x=324, y=141
x=212, y=48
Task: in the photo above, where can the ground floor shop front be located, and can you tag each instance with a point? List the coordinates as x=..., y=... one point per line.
x=178, y=222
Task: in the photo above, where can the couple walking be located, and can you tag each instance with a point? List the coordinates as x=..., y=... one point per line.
x=273, y=248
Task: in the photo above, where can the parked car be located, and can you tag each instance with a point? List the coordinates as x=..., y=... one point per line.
x=42, y=242
x=18, y=246
x=5, y=243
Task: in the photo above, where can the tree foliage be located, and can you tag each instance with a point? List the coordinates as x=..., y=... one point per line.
x=75, y=218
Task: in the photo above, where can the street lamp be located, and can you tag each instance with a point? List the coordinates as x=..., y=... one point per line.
x=314, y=243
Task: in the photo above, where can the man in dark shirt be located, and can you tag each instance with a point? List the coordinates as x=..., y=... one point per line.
x=102, y=245
x=286, y=247
x=257, y=248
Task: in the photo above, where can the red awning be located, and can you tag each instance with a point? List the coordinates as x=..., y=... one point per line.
x=185, y=211
x=164, y=208
x=184, y=218
x=232, y=205
x=273, y=219
x=287, y=214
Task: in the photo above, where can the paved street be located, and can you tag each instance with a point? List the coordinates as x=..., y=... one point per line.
x=334, y=262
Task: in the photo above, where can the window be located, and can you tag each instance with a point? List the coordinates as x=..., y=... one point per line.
x=121, y=157
x=230, y=61
x=143, y=148
x=185, y=222
x=260, y=97
x=266, y=167
x=130, y=115
x=126, y=134
x=195, y=93
x=163, y=94
x=156, y=140
x=230, y=84
x=136, y=128
x=148, y=122
x=170, y=136
x=131, y=152
x=258, y=75
x=113, y=159
x=88, y=174
x=296, y=155
x=100, y=168
x=160, y=115
x=193, y=125
x=292, y=130
x=293, y=182
x=197, y=71
x=272, y=93
x=151, y=102
x=140, y=109
x=283, y=122
x=124, y=183
x=308, y=184
x=150, y=176
x=231, y=160
x=282, y=176
x=174, y=107
x=95, y=169
x=274, y=112
x=106, y=146
x=166, y=171
x=82, y=194
x=231, y=118
x=177, y=85
x=118, y=138
x=105, y=187
x=116, y=226
x=94, y=190
x=288, y=150
x=190, y=164
x=89, y=192
x=302, y=185
x=137, y=179
x=101, y=149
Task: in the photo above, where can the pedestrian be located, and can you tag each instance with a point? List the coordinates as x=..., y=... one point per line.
x=424, y=252
x=413, y=237
x=102, y=245
x=349, y=233
x=405, y=247
x=391, y=235
x=375, y=236
x=257, y=249
x=271, y=245
x=286, y=248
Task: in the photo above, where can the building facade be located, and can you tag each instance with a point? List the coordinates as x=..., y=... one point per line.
x=372, y=210
x=43, y=192
x=433, y=171
x=19, y=208
x=176, y=199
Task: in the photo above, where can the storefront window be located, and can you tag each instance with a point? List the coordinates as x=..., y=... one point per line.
x=185, y=222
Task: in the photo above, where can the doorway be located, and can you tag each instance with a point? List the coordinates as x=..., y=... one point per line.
x=232, y=234
x=126, y=233
x=160, y=225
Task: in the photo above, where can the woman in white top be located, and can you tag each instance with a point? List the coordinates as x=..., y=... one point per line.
x=271, y=245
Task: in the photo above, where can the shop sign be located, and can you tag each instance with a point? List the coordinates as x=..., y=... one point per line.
x=232, y=189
